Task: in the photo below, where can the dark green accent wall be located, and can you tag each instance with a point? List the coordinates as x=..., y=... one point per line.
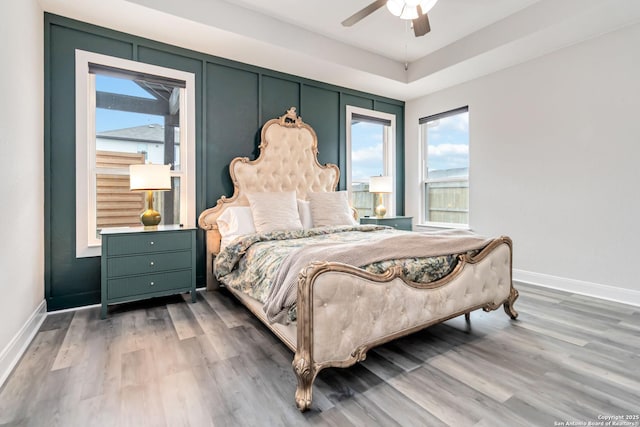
x=233, y=100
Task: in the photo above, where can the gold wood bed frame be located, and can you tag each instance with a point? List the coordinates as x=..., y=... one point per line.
x=343, y=311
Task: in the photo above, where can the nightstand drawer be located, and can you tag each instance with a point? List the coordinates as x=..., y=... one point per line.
x=149, y=263
x=148, y=242
x=150, y=283
x=398, y=222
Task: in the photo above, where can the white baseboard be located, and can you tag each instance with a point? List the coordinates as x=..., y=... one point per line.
x=606, y=292
x=12, y=353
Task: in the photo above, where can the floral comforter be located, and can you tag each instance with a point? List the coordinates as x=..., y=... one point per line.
x=250, y=263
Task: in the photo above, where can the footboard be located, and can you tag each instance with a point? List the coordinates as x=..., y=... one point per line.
x=344, y=311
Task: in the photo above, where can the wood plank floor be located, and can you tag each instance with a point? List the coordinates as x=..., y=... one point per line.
x=166, y=362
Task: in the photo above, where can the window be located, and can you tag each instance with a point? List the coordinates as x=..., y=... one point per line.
x=370, y=152
x=129, y=113
x=445, y=139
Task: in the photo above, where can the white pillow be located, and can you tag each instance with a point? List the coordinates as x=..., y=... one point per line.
x=304, y=210
x=274, y=211
x=331, y=208
x=235, y=221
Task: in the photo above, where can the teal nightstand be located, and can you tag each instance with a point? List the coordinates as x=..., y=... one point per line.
x=138, y=264
x=399, y=222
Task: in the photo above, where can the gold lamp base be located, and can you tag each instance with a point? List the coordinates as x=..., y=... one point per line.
x=151, y=217
x=380, y=210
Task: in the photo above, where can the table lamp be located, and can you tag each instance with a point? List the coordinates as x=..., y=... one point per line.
x=380, y=185
x=150, y=178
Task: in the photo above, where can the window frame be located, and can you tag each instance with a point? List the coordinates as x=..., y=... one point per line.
x=424, y=179
x=388, y=154
x=87, y=244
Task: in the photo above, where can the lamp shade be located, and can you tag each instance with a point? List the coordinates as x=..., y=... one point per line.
x=380, y=184
x=149, y=177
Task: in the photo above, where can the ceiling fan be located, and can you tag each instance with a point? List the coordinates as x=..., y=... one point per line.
x=414, y=10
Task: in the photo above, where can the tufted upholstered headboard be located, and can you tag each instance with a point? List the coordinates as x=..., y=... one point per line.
x=288, y=161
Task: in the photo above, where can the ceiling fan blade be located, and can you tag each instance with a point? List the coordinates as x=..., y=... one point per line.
x=363, y=13
x=421, y=24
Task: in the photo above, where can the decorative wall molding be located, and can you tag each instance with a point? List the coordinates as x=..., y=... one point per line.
x=596, y=290
x=258, y=94
x=12, y=353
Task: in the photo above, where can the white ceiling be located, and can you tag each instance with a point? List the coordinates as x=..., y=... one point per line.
x=381, y=32
x=468, y=38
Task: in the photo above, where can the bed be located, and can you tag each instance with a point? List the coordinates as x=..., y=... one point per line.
x=338, y=310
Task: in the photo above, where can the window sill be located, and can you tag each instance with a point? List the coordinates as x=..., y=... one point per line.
x=88, y=251
x=443, y=225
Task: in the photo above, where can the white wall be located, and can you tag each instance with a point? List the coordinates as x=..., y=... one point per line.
x=555, y=162
x=21, y=175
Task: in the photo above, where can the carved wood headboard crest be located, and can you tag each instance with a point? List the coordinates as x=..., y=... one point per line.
x=288, y=161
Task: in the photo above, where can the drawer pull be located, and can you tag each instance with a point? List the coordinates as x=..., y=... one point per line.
x=152, y=283
x=151, y=243
x=152, y=263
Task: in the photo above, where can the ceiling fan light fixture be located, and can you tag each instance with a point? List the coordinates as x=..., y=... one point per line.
x=408, y=9
x=414, y=10
x=409, y=12
x=395, y=7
